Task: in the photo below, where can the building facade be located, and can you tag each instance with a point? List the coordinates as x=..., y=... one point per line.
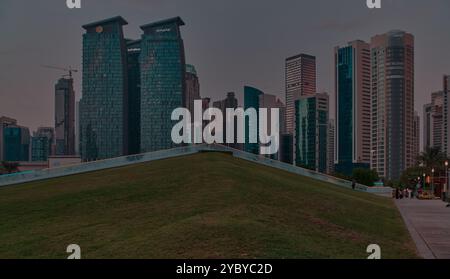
x=300, y=80
x=352, y=87
x=134, y=96
x=65, y=117
x=331, y=147
x=16, y=144
x=104, y=105
x=192, y=87
x=311, y=133
x=392, y=61
x=163, y=73
x=416, y=135
x=230, y=102
x=433, y=121
x=5, y=122
x=446, y=112
x=251, y=100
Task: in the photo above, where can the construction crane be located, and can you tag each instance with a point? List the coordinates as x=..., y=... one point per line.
x=69, y=70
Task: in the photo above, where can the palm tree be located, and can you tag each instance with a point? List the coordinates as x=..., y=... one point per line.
x=431, y=158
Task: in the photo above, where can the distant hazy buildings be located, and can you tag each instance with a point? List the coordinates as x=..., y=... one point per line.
x=311, y=133
x=352, y=82
x=392, y=62
x=300, y=79
x=103, y=107
x=433, y=121
x=163, y=73
x=65, y=117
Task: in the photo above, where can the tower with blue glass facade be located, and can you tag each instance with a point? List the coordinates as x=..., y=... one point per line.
x=353, y=107
x=251, y=100
x=163, y=71
x=311, y=132
x=104, y=105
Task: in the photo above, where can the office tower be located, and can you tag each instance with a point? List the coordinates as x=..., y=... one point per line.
x=77, y=128
x=416, y=135
x=446, y=117
x=331, y=147
x=65, y=117
x=352, y=85
x=434, y=121
x=311, y=133
x=40, y=148
x=104, y=105
x=251, y=100
x=163, y=73
x=300, y=81
x=49, y=133
x=286, y=154
x=392, y=59
x=134, y=96
x=232, y=103
x=16, y=144
x=192, y=87
x=5, y=122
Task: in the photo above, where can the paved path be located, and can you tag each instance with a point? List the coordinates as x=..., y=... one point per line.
x=429, y=225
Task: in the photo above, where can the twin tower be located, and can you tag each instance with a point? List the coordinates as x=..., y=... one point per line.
x=130, y=88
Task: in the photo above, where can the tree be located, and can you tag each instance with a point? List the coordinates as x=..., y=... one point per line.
x=10, y=167
x=412, y=176
x=431, y=158
x=366, y=177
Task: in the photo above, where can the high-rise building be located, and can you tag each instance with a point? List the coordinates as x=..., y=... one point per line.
x=331, y=147
x=134, y=96
x=311, y=133
x=104, y=105
x=352, y=82
x=300, y=81
x=251, y=100
x=392, y=60
x=446, y=116
x=433, y=121
x=16, y=144
x=163, y=73
x=40, y=148
x=65, y=117
x=5, y=122
x=416, y=134
x=192, y=87
x=49, y=133
x=232, y=103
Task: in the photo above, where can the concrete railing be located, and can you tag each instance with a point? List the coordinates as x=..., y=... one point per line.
x=19, y=178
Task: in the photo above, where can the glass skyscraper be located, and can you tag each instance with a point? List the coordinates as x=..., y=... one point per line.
x=65, y=117
x=104, y=105
x=134, y=96
x=163, y=72
x=352, y=81
x=311, y=132
x=16, y=144
x=251, y=100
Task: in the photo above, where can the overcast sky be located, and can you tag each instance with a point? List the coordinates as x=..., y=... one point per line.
x=232, y=43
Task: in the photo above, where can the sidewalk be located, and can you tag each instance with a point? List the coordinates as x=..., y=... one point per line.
x=429, y=225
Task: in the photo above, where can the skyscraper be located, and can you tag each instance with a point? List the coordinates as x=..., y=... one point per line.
x=229, y=102
x=416, y=135
x=300, y=81
x=251, y=100
x=65, y=117
x=331, y=147
x=392, y=59
x=433, y=121
x=446, y=116
x=4, y=122
x=16, y=144
x=352, y=82
x=192, y=87
x=104, y=105
x=163, y=73
x=311, y=133
x=134, y=96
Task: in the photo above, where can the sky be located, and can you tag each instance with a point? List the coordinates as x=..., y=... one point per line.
x=232, y=43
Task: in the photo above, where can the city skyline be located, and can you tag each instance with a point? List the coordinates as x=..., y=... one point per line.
x=209, y=46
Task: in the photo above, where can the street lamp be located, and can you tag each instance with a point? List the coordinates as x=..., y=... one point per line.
x=423, y=186
x=432, y=181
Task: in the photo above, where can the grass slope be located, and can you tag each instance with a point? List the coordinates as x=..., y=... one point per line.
x=209, y=205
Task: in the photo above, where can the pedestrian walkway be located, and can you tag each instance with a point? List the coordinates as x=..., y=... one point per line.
x=428, y=222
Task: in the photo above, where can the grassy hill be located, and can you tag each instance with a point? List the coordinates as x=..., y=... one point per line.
x=209, y=205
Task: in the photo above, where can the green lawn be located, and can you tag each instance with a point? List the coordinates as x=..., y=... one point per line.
x=209, y=205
